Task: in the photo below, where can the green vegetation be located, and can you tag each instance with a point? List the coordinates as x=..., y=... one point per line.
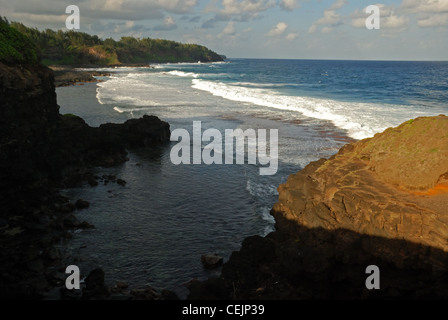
x=15, y=47
x=79, y=48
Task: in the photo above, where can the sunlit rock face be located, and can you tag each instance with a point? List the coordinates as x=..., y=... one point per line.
x=392, y=185
x=378, y=202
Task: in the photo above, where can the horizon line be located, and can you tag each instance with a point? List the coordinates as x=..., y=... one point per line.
x=336, y=59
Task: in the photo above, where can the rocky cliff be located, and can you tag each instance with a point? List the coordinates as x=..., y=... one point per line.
x=380, y=201
x=40, y=151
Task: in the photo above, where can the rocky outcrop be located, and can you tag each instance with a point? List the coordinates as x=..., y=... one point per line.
x=67, y=76
x=380, y=201
x=392, y=186
x=211, y=261
x=40, y=151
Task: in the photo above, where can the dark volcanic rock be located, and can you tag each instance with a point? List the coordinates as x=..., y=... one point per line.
x=40, y=151
x=82, y=204
x=95, y=287
x=211, y=261
x=67, y=76
x=137, y=133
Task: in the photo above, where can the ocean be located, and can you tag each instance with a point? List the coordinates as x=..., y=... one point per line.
x=154, y=230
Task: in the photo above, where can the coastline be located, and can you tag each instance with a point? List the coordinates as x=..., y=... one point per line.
x=267, y=253
x=270, y=251
x=67, y=75
x=368, y=205
x=60, y=153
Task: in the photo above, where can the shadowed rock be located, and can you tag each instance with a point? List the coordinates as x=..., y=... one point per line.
x=211, y=261
x=40, y=151
x=380, y=201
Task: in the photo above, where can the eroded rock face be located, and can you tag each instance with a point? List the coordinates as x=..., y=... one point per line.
x=369, y=187
x=380, y=201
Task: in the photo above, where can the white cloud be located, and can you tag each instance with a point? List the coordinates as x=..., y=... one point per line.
x=229, y=30
x=434, y=21
x=277, y=30
x=430, y=13
x=97, y=9
x=168, y=24
x=292, y=36
x=425, y=6
x=330, y=19
x=338, y=4
x=289, y=4
x=395, y=22
x=235, y=10
x=312, y=28
x=389, y=19
x=235, y=7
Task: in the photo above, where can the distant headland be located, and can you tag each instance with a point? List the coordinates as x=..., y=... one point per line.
x=82, y=49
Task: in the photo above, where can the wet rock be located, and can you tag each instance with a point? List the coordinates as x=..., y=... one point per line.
x=70, y=221
x=85, y=225
x=168, y=295
x=92, y=181
x=67, y=208
x=144, y=294
x=95, y=288
x=82, y=204
x=121, y=182
x=211, y=261
x=119, y=287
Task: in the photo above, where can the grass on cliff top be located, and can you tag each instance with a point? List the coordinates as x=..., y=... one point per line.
x=412, y=156
x=421, y=137
x=16, y=47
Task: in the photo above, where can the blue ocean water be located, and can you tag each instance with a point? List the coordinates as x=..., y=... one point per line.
x=360, y=97
x=153, y=230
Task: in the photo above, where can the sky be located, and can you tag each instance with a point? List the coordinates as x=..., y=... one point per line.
x=285, y=29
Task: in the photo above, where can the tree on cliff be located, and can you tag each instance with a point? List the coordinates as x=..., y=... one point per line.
x=79, y=48
x=16, y=47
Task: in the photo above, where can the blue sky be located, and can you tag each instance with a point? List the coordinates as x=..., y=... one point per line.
x=294, y=29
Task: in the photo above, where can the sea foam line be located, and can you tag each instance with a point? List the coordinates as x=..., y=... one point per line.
x=360, y=120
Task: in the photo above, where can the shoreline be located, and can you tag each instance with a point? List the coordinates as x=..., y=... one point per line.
x=256, y=251
x=51, y=152
x=68, y=75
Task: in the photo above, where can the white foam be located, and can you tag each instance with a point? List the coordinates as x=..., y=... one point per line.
x=130, y=110
x=182, y=74
x=266, y=215
x=259, y=189
x=360, y=120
